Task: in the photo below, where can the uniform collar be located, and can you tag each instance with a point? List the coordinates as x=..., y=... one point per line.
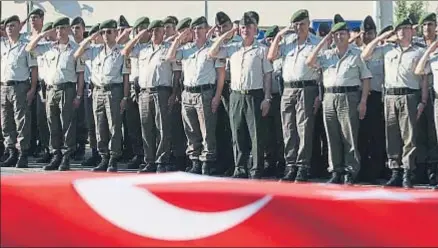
x=254, y=44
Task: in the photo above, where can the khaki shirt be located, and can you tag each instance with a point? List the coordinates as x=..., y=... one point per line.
x=422, y=43
x=345, y=71
x=294, y=56
x=107, y=67
x=87, y=66
x=235, y=38
x=400, y=65
x=276, y=75
x=376, y=66
x=15, y=61
x=153, y=68
x=248, y=65
x=198, y=67
x=61, y=65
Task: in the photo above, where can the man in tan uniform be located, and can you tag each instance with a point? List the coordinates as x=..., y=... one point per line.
x=300, y=98
x=344, y=72
x=17, y=93
x=250, y=99
x=64, y=74
x=110, y=75
x=406, y=96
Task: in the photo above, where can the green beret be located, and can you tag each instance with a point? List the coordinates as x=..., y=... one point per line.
x=94, y=29
x=221, y=18
x=184, y=23
x=63, y=21
x=339, y=26
x=338, y=18
x=47, y=26
x=13, y=18
x=122, y=22
x=108, y=24
x=247, y=19
x=414, y=19
x=299, y=15
x=199, y=21
x=403, y=22
x=2, y=22
x=386, y=29
x=272, y=31
x=78, y=21
x=38, y=12
x=170, y=20
x=156, y=24
x=142, y=21
x=254, y=15
x=368, y=24
x=427, y=17
x=323, y=29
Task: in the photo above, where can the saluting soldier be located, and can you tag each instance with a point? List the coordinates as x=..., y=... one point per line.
x=17, y=94
x=64, y=74
x=110, y=76
x=427, y=157
x=170, y=23
x=406, y=96
x=88, y=98
x=300, y=99
x=250, y=99
x=156, y=96
x=344, y=72
x=203, y=84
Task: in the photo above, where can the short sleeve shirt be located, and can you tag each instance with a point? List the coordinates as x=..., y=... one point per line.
x=15, y=61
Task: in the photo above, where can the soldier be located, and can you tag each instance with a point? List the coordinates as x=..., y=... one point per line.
x=64, y=74
x=344, y=72
x=88, y=98
x=384, y=30
x=274, y=146
x=402, y=102
x=2, y=28
x=355, y=36
x=300, y=99
x=201, y=96
x=78, y=30
x=110, y=75
x=427, y=156
x=156, y=96
x=372, y=127
x=250, y=98
x=170, y=23
x=17, y=93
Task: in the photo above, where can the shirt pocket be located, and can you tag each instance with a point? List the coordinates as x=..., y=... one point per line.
x=64, y=62
x=351, y=70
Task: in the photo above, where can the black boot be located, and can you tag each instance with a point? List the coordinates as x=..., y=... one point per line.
x=407, y=181
x=396, y=179
x=348, y=178
x=302, y=175
x=22, y=160
x=148, y=168
x=45, y=157
x=161, y=168
x=112, y=165
x=336, y=178
x=92, y=161
x=12, y=158
x=208, y=168
x=103, y=165
x=56, y=161
x=80, y=152
x=135, y=163
x=5, y=156
x=432, y=174
x=290, y=173
x=65, y=163
x=196, y=167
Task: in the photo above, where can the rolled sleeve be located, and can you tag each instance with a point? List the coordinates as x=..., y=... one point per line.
x=266, y=64
x=136, y=50
x=220, y=62
x=80, y=65
x=176, y=65
x=31, y=59
x=126, y=68
x=365, y=73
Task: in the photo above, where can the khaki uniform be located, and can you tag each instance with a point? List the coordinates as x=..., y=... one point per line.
x=107, y=70
x=402, y=97
x=300, y=91
x=199, y=89
x=342, y=79
x=61, y=79
x=88, y=106
x=15, y=74
x=155, y=81
x=248, y=67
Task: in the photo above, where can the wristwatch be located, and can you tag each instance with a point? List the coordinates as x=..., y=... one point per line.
x=268, y=99
x=125, y=98
x=78, y=97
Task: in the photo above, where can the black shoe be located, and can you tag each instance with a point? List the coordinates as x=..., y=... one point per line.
x=79, y=153
x=432, y=174
x=290, y=173
x=348, y=178
x=336, y=178
x=45, y=157
x=395, y=180
x=302, y=175
x=270, y=169
x=12, y=158
x=161, y=168
x=196, y=167
x=65, y=163
x=5, y=156
x=54, y=164
x=112, y=165
x=102, y=166
x=148, y=168
x=407, y=181
x=92, y=161
x=22, y=161
x=135, y=163
x=207, y=168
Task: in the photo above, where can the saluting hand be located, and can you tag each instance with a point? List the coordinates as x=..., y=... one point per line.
x=386, y=35
x=284, y=31
x=210, y=32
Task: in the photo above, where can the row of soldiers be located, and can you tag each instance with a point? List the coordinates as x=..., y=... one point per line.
x=181, y=93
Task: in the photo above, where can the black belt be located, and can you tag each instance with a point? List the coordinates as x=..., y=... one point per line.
x=341, y=89
x=400, y=91
x=300, y=84
x=199, y=89
x=14, y=82
x=109, y=87
x=156, y=89
x=248, y=92
x=62, y=86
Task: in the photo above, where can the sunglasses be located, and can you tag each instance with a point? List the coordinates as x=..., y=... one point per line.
x=108, y=32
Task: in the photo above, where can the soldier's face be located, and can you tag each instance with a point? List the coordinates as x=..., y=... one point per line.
x=188, y=38
x=12, y=28
x=62, y=32
x=109, y=35
x=248, y=30
x=301, y=27
x=341, y=37
x=199, y=32
x=368, y=36
x=78, y=31
x=429, y=28
x=405, y=32
x=120, y=30
x=169, y=29
x=36, y=21
x=225, y=27
x=157, y=33
x=147, y=35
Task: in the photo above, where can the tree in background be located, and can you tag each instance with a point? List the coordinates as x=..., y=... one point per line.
x=413, y=9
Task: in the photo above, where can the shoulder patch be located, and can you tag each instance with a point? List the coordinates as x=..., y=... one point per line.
x=128, y=63
x=32, y=55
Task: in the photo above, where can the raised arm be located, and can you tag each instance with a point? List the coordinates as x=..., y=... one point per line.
x=367, y=52
x=311, y=60
x=273, y=49
x=130, y=45
x=36, y=39
x=84, y=44
x=214, y=50
x=419, y=70
x=171, y=54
